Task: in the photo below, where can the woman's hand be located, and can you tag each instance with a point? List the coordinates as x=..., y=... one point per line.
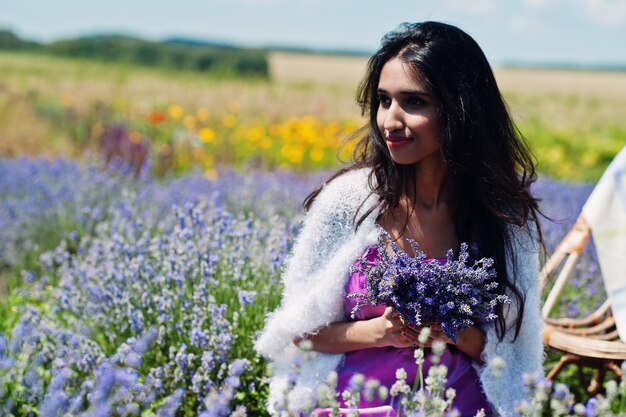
x=394, y=331
x=341, y=337
x=398, y=333
x=470, y=341
x=388, y=330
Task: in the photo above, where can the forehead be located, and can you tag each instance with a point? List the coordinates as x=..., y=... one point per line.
x=397, y=74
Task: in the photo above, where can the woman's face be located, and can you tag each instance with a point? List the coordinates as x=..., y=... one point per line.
x=407, y=116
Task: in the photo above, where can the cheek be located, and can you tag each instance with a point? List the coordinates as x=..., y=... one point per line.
x=428, y=126
x=380, y=121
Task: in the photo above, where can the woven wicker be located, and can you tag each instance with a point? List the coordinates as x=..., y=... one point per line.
x=589, y=342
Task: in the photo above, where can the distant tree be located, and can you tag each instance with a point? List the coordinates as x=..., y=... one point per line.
x=8, y=40
x=182, y=55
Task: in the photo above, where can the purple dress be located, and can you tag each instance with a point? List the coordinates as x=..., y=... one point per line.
x=381, y=363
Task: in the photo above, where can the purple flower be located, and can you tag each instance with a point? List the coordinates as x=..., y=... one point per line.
x=171, y=404
x=591, y=408
x=246, y=297
x=454, y=294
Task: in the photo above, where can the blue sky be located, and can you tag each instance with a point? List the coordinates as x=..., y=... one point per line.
x=582, y=32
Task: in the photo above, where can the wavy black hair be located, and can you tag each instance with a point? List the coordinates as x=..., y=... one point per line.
x=489, y=164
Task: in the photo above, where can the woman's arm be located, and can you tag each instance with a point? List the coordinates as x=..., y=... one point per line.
x=386, y=330
x=389, y=330
x=470, y=341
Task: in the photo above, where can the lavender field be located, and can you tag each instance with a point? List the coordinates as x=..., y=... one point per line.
x=129, y=296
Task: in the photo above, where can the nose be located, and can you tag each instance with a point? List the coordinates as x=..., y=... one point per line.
x=393, y=118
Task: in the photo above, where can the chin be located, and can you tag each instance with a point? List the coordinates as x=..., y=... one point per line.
x=400, y=162
x=398, y=159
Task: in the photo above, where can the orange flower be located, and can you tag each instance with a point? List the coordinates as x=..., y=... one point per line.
x=135, y=137
x=156, y=117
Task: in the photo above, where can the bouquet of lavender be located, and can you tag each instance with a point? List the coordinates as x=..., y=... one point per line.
x=454, y=294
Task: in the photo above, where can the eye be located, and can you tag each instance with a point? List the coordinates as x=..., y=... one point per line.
x=384, y=100
x=415, y=101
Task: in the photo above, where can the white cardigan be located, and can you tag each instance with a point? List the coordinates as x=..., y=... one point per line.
x=314, y=279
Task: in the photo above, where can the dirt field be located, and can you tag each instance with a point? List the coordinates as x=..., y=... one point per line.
x=341, y=70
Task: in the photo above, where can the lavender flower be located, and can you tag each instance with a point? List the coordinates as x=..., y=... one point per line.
x=454, y=294
x=108, y=257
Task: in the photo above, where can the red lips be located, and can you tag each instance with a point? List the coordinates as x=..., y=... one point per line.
x=394, y=141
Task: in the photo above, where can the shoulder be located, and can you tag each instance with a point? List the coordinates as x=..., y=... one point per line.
x=524, y=240
x=345, y=192
x=523, y=256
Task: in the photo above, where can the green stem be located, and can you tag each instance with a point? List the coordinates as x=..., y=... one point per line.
x=623, y=397
x=390, y=405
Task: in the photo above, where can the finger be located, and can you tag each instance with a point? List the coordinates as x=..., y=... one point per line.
x=411, y=331
x=410, y=335
x=395, y=321
x=390, y=312
x=440, y=336
x=414, y=327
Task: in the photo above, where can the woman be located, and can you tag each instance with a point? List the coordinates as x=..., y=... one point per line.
x=441, y=163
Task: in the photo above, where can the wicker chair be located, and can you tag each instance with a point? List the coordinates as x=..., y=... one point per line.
x=589, y=342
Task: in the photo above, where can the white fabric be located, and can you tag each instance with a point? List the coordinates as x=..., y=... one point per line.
x=316, y=273
x=605, y=211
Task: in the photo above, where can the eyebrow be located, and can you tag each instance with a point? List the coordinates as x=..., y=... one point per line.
x=407, y=92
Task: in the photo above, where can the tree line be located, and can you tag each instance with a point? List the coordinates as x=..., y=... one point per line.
x=178, y=54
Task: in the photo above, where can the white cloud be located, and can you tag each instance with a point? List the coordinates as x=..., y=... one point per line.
x=611, y=12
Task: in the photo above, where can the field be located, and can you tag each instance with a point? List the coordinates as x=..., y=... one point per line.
x=137, y=287
x=573, y=120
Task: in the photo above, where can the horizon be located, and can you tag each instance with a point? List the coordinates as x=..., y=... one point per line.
x=287, y=48
x=576, y=33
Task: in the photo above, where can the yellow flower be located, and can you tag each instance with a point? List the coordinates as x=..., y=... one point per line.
x=331, y=130
x=97, y=130
x=229, y=121
x=316, y=154
x=166, y=149
x=211, y=173
x=175, y=111
x=203, y=114
x=589, y=158
x=118, y=104
x=293, y=153
x=198, y=153
x=265, y=143
x=207, y=135
x=554, y=155
x=134, y=137
x=189, y=121
x=209, y=159
x=67, y=100
x=256, y=134
x=274, y=129
x=233, y=106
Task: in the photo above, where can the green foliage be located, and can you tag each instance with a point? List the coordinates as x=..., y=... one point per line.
x=573, y=136
x=230, y=61
x=227, y=61
x=573, y=154
x=8, y=40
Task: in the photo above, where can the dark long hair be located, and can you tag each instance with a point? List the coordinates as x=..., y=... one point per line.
x=489, y=164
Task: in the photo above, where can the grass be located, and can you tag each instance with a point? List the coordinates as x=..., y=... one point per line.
x=574, y=129
x=573, y=120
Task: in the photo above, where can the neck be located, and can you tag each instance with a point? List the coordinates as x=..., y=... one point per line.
x=432, y=186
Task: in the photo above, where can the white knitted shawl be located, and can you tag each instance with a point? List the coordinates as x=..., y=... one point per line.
x=316, y=273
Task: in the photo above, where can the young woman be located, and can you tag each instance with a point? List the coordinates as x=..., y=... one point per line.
x=441, y=163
